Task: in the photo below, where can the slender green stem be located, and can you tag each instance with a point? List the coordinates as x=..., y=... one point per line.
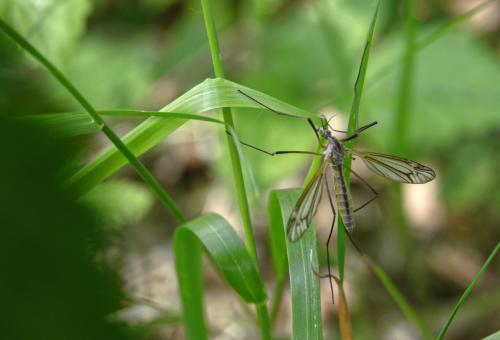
x=262, y=313
x=467, y=292
x=403, y=115
x=399, y=298
x=228, y=119
x=112, y=136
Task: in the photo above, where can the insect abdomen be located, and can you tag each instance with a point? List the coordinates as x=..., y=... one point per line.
x=343, y=199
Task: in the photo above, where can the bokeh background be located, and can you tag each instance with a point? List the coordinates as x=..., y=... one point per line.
x=430, y=239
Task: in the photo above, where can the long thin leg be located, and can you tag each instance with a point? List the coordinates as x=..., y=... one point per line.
x=358, y=131
x=285, y=114
x=274, y=153
x=330, y=200
x=375, y=193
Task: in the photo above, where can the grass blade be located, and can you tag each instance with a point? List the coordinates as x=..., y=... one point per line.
x=212, y=233
x=301, y=256
x=400, y=300
x=236, y=166
x=353, y=124
x=467, y=292
x=208, y=95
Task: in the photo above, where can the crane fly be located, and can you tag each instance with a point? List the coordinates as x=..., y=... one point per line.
x=334, y=152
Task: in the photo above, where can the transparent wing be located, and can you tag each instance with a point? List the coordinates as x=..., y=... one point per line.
x=396, y=168
x=306, y=206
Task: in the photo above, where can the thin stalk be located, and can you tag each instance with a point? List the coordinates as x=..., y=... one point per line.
x=262, y=314
x=467, y=292
x=112, y=136
x=399, y=298
x=403, y=115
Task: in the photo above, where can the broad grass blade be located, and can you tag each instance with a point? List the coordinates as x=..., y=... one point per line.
x=301, y=257
x=210, y=94
x=213, y=234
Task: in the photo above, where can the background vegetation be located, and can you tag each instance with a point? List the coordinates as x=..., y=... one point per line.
x=432, y=84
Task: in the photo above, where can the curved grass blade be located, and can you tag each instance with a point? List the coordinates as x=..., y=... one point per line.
x=208, y=95
x=301, y=256
x=467, y=292
x=352, y=125
x=400, y=300
x=215, y=235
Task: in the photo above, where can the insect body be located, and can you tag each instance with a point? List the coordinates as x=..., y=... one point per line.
x=391, y=167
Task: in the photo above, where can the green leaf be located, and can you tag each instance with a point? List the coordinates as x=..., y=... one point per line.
x=215, y=235
x=302, y=256
x=399, y=298
x=210, y=94
x=53, y=26
x=467, y=292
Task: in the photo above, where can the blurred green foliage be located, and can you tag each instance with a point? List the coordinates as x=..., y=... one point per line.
x=144, y=54
x=54, y=285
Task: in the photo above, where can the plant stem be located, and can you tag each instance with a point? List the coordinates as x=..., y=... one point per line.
x=96, y=118
x=228, y=120
x=467, y=291
x=213, y=42
x=403, y=115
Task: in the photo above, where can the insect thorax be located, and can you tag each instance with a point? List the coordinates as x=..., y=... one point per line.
x=334, y=151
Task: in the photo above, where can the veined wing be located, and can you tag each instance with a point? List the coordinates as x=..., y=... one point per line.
x=396, y=168
x=307, y=205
